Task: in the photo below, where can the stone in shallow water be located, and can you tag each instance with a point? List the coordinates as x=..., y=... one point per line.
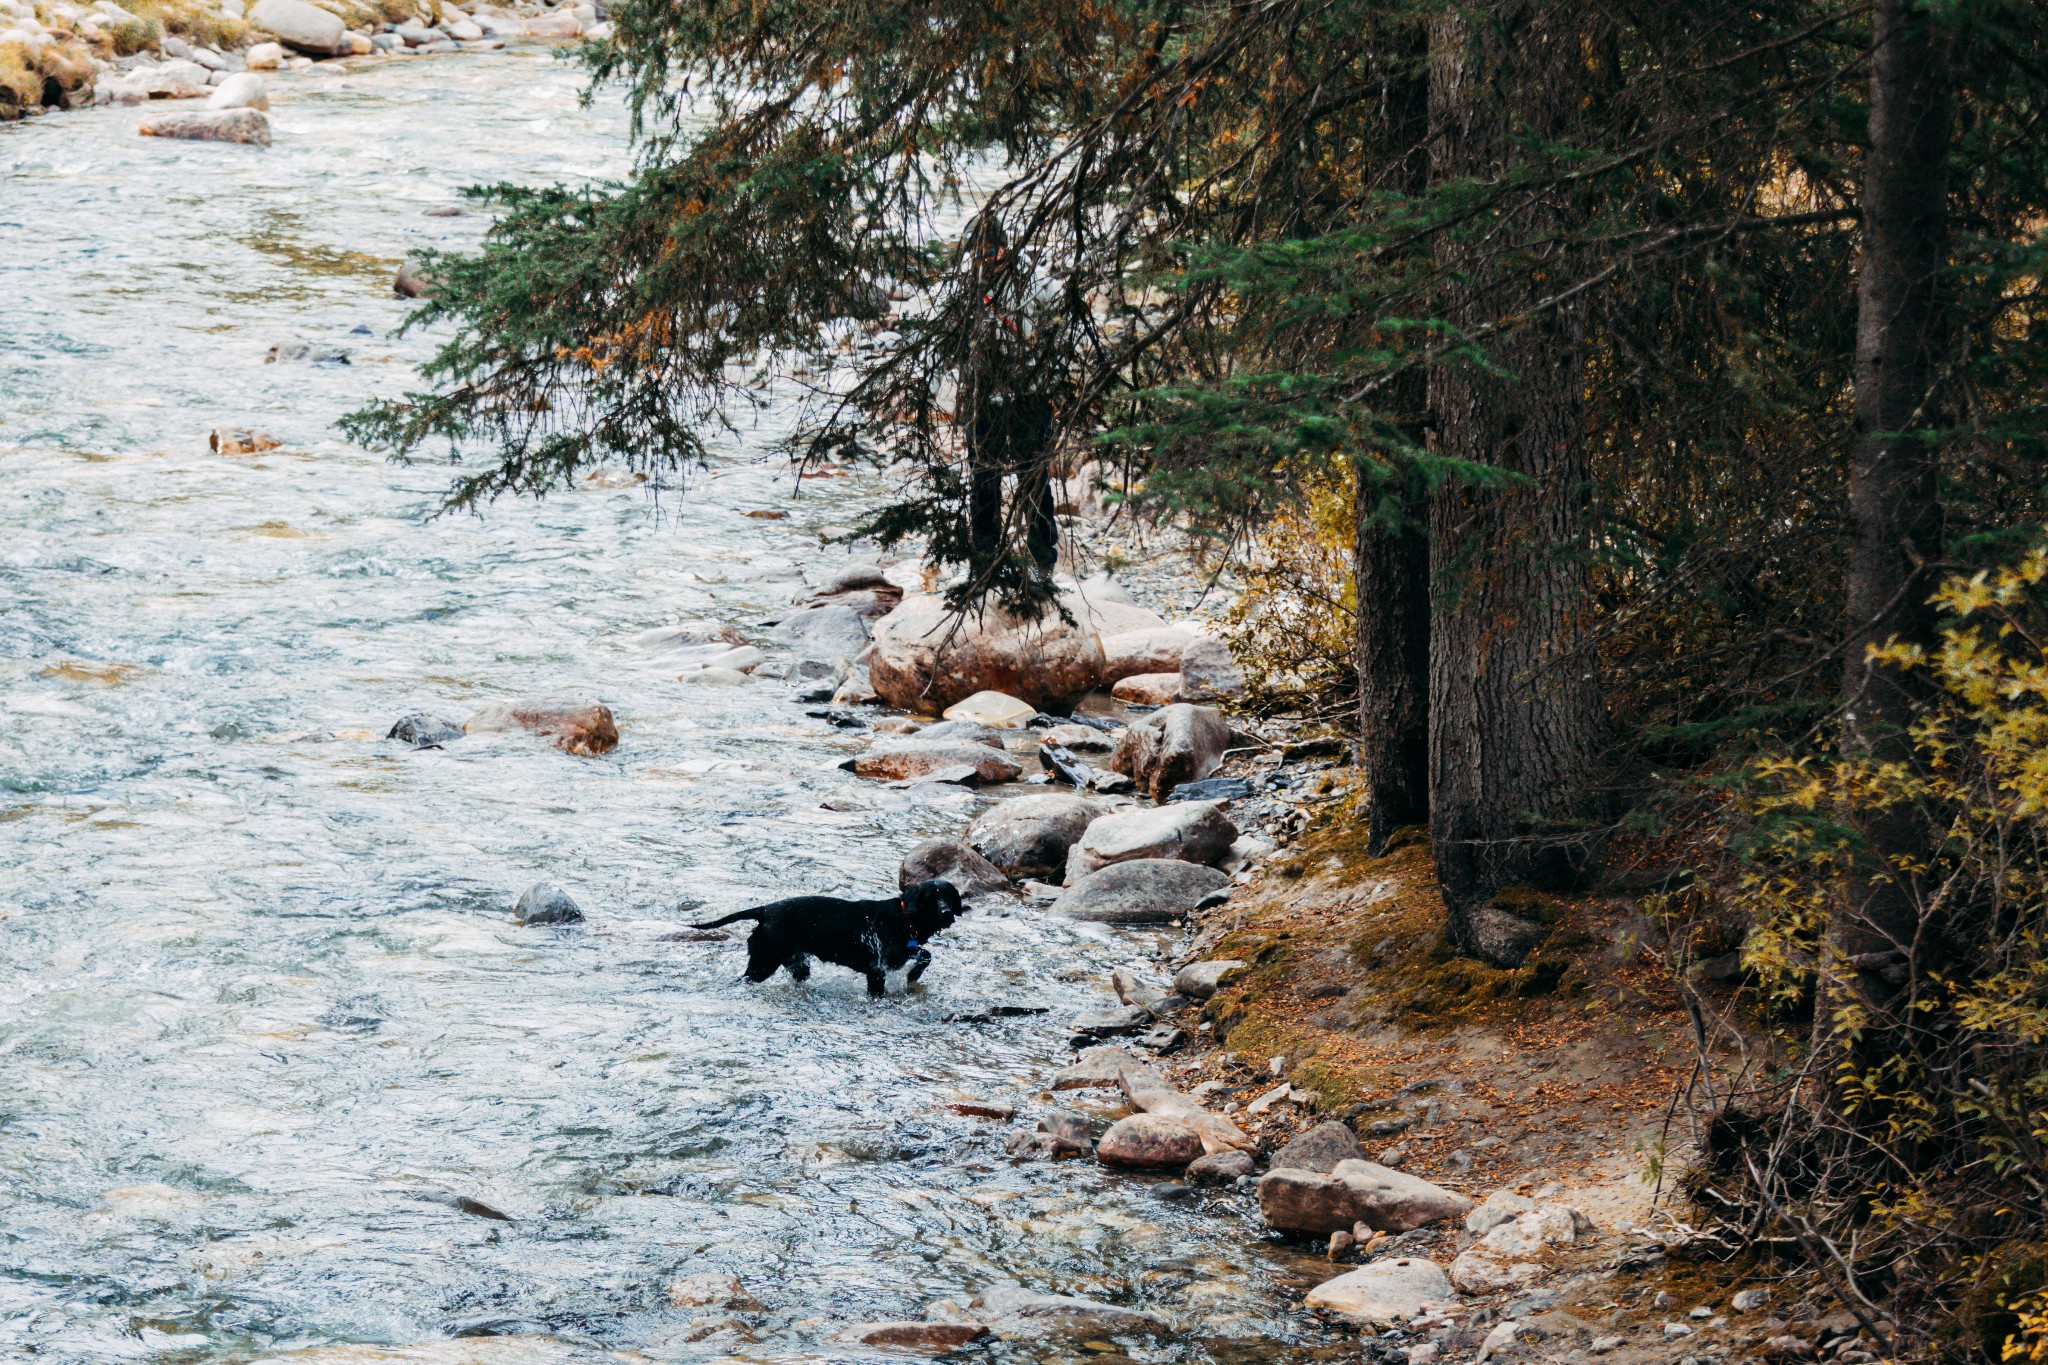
x=1017, y=1314
x=248, y=126
x=1387, y=1291
x=1030, y=836
x=915, y=1336
x=1152, y=1142
x=421, y=730
x=544, y=904
x=1143, y=891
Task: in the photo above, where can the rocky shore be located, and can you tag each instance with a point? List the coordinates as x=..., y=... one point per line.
x=63, y=55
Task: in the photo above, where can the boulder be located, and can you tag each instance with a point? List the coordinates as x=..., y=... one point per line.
x=927, y=659
x=999, y=710
x=1200, y=980
x=952, y=861
x=1017, y=1314
x=1150, y=1142
x=1068, y=1130
x=243, y=90
x=575, y=727
x=308, y=28
x=914, y=1336
x=1383, y=1293
x=1149, y=689
x=862, y=587
x=1318, y=1149
x=897, y=760
x=1478, y=1271
x=1189, y=831
x=1220, y=1168
x=1209, y=672
x=827, y=632
x=264, y=57
x=1142, y=891
x=1135, y=652
x=1182, y=743
x=544, y=904
x=1295, y=1200
x=1502, y=1206
x=558, y=24
x=421, y=730
x=465, y=31
x=1103, y=606
x=412, y=280
x=1030, y=836
x=246, y=126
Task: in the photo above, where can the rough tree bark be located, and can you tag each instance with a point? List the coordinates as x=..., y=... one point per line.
x=1894, y=495
x=1514, y=706
x=1391, y=570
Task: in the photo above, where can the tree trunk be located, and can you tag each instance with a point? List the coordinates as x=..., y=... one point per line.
x=1894, y=493
x=1390, y=566
x=1514, y=706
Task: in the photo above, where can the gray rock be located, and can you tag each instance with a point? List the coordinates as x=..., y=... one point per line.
x=1208, y=672
x=831, y=631
x=1030, y=836
x=895, y=760
x=412, y=280
x=964, y=731
x=1097, y=1024
x=1144, y=891
x=1068, y=1131
x=299, y=25
x=1107, y=1068
x=1201, y=980
x=1176, y=745
x=1151, y=1142
x=1383, y=1199
x=953, y=861
x=420, y=730
x=544, y=904
x=1212, y=789
x=1017, y=1314
x=250, y=127
x=1383, y=1293
x=1192, y=832
x=1319, y=1149
x=1220, y=1168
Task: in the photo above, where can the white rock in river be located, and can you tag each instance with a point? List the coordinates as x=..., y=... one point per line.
x=999, y=710
x=1190, y=831
x=300, y=25
x=465, y=30
x=243, y=90
x=1383, y=1292
x=264, y=57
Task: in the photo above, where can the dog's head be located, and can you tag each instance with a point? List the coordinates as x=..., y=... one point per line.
x=931, y=906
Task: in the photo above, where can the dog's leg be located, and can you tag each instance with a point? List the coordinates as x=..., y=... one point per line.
x=878, y=981
x=760, y=966
x=917, y=966
x=798, y=967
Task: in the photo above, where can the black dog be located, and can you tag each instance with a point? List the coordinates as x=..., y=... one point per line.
x=871, y=937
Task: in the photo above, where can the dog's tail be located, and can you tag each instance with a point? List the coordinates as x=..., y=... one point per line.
x=733, y=918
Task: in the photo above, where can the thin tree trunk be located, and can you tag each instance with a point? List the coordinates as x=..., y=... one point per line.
x=1391, y=573
x=1514, y=707
x=1894, y=493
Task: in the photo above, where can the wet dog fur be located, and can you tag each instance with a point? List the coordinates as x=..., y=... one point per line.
x=870, y=937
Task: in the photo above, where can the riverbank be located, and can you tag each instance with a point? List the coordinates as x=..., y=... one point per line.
x=57, y=55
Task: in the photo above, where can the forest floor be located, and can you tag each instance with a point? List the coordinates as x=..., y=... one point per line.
x=1568, y=1075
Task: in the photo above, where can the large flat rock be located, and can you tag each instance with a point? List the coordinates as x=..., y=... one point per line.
x=1144, y=891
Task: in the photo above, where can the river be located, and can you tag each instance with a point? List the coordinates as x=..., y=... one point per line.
x=264, y=1014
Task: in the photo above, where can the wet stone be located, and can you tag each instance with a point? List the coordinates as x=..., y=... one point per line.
x=544, y=904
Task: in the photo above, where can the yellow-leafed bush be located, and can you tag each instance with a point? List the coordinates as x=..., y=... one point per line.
x=1292, y=626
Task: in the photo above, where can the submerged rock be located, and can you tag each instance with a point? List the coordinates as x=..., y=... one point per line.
x=575, y=727
x=1018, y=1314
x=545, y=904
x=247, y=126
x=1189, y=831
x=1180, y=744
x=1030, y=836
x=914, y=1336
x=421, y=730
x=1143, y=891
x=826, y=632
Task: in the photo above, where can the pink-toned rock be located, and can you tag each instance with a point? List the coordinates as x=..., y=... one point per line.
x=925, y=659
x=1296, y=1200
x=576, y=727
x=1150, y=1142
x=1133, y=652
x=895, y=760
x=1148, y=689
x=915, y=1336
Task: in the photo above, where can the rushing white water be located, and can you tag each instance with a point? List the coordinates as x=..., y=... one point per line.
x=264, y=1015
